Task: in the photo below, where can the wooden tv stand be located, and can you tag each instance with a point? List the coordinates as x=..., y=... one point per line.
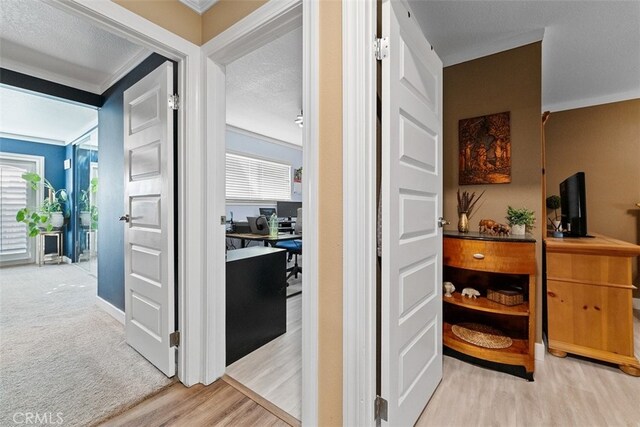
x=589, y=299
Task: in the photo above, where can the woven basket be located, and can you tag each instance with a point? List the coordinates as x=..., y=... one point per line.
x=505, y=297
x=481, y=335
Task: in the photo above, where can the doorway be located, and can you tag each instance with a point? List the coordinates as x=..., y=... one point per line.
x=264, y=154
x=271, y=21
x=85, y=234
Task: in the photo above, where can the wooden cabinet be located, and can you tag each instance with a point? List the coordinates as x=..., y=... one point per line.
x=486, y=262
x=589, y=299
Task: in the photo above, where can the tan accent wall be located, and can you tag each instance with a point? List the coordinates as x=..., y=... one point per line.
x=224, y=14
x=330, y=216
x=507, y=81
x=603, y=141
x=169, y=14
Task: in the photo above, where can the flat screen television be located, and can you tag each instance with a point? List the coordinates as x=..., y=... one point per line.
x=573, y=205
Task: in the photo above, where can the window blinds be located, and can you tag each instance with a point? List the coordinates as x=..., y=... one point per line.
x=249, y=178
x=13, y=197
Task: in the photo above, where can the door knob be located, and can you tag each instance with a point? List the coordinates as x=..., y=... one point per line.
x=125, y=218
x=442, y=222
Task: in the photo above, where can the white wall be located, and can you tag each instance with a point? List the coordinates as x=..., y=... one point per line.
x=253, y=144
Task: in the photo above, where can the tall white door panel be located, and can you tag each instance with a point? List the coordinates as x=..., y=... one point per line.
x=411, y=206
x=149, y=223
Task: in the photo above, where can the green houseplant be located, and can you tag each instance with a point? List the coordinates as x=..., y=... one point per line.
x=89, y=211
x=48, y=215
x=520, y=220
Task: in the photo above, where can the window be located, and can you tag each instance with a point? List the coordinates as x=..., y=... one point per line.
x=15, y=246
x=250, y=178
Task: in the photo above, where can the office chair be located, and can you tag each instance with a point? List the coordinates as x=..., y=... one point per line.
x=294, y=248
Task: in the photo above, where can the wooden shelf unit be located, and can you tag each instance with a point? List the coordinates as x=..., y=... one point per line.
x=481, y=262
x=484, y=304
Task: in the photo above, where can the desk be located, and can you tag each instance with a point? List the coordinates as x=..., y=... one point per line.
x=256, y=300
x=42, y=240
x=588, y=299
x=268, y=240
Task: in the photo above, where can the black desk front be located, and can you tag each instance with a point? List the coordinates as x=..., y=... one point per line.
x=256, y=299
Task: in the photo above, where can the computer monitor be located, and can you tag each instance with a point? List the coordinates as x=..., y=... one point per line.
x=288, y=209
x=267, y=212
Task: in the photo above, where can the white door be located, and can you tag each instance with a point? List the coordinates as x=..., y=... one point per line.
x=149, y=227
x=411, y=205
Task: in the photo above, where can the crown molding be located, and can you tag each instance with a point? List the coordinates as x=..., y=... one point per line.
x=86, y=130
x=590, y=102
x=31, y=138
x=492, y=47
x=40, y=73
x=200, y=6
x=255, y=135
x=125, y=69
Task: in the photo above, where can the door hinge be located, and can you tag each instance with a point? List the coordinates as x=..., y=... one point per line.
x=174, y=339
x=174, y=101
x=382, y=48
x=380, y=409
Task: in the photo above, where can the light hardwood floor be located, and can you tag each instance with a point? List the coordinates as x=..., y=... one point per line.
x=566, y=392
x=274, y=371
x=218, y=404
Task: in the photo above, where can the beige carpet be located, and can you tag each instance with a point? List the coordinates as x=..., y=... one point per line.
x=60, y=354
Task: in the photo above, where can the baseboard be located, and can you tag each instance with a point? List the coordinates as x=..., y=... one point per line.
x=539, y=351
x=112, y=310
x=636, y=303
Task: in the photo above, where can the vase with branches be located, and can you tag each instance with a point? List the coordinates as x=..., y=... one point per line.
x=466, y=203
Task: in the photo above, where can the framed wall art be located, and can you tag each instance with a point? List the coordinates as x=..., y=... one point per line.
x=485, y=149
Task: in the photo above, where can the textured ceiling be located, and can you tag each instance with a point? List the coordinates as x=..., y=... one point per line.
x=40, y=40
x=264, y=89
x=590, y=49
x=24, y=115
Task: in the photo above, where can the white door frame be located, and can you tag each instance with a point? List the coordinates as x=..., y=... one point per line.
x=191, y=261
x=359, y=208
x=268, y=22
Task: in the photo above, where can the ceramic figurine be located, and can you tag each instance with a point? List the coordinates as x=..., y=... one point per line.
x=501, y=229
x=470, y=293
x=448, y=289
x=489, y=226
x=486, y=225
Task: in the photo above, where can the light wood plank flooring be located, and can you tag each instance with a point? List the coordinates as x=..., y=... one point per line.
x=566, y=392
x=218, y=404
x=274, y=371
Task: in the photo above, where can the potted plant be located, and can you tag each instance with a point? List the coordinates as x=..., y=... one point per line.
x=553, y=202
x=50, y=214
x=520, y=220
x=88, y=211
